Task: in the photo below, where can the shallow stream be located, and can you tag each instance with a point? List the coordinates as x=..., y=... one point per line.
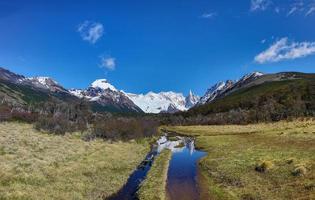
x=182, y=176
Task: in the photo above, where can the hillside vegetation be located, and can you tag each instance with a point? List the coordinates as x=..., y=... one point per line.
x=290, y=97
x=262, y=161
x=35, y=165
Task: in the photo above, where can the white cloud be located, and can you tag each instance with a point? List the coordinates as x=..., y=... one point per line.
x=311, y=10
x=285, y=50
x=208, y=15
x=298, y=6
x=292, y=10
x=259, y=4
x=91, y=31
x=301, y=7
x=108, y=62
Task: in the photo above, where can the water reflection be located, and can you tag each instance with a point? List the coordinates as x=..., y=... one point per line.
x=181, y=183
x=182, y=173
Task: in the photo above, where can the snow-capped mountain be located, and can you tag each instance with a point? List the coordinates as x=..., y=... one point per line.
x=169, y=102
x=9, y=76
x=39, y=82
x=225, y=87
x=45, y=83
x=105, y=94
x=103, y=84
x=97, y=89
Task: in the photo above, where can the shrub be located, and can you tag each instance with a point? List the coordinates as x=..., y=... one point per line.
x=264, y=166
x=56, y=125
x=59, y=124
x=27, y=117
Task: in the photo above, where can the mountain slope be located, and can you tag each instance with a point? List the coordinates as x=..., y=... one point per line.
x=223, y=88
x=270, y=97
x=20, y=92
x=215, y=91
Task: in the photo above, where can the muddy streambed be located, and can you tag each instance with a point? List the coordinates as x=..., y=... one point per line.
x=182, y=181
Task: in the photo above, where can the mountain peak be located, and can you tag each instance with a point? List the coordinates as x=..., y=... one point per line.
x=224, y=86
x=45, y=83
x=43, y=80
x=103, y=84
x=258, y=73
x=191, y=99
x=254, y=74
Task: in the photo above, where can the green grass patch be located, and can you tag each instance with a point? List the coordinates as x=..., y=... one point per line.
x=172, y=138
x=260, y=161
x=154, y=186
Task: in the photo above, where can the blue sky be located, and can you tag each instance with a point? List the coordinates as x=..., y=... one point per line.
x=142, y=46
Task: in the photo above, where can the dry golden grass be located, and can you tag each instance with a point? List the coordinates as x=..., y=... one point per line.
x=285, y=149
x=35, y=165
x=282, y=127
x=154, y=186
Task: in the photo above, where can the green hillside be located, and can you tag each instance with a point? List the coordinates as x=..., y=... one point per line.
x=21, y=94
x=271, y=100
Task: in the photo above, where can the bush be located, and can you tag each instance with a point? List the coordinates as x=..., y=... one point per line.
x=27, y=117
x=124, y=128
x=264, y=166
x=56, y=125
x=7, y=113
x=59, y=124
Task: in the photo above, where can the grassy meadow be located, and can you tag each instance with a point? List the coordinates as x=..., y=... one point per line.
x=154, y=186
x=36, y=165
x=259, y=161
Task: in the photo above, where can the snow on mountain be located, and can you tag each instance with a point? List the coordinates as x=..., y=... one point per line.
x=40, y=82
x=157, y=102
x=223, y=87
x=162, y=102
x=99, y=87
x=77, y=92
x=105, y=94
x=44, y=83
x=103, y=84
x=215, y=90
x=10, y=76
x=191, y=99
x=94, y=93
x=102, y=92
x=247, y=78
